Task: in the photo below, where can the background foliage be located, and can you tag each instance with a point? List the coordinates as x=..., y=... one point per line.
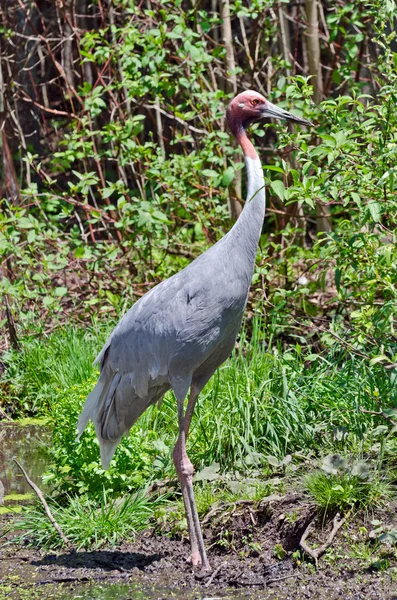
x=118, y=168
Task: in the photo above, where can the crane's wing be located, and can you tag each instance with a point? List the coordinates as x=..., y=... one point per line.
x=164, y=337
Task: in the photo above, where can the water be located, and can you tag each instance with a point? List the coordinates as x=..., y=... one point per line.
x=28, y=444
x=139, y=592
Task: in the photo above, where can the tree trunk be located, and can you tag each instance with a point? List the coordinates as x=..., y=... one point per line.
x=285, y=42
x=235, y=207
x=323, y=219
x=12, y=192
x=313, y=47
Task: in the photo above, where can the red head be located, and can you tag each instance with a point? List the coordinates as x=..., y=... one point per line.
x=250, y=106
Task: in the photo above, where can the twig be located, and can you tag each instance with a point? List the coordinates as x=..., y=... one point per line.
x=276, y=579
x=378, y=413
x=157, y=108
x=392, y=366
x=4, y=415
x=215, y=573
x=40, y=496
x=225, y=505
x=315, y=554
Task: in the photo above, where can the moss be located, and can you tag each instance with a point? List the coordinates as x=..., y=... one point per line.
x=18, y=497
x=32, y=421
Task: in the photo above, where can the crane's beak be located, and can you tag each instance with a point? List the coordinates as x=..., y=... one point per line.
x=274, y=112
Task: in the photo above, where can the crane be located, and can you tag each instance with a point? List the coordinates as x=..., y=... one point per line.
x=182, y=330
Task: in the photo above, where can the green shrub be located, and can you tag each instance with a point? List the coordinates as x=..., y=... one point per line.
x=76, y=464
x=342, y=486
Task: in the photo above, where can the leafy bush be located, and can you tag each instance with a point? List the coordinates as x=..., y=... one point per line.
x=76, y=464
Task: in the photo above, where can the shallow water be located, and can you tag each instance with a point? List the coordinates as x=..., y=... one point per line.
x=28, y=444
x=135, y=592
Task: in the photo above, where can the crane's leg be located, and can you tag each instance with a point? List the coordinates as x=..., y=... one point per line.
x=185, y=470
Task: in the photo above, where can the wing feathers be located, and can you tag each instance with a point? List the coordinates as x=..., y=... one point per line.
x=114, y=406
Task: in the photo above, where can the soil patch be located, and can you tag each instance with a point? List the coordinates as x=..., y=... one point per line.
x=253, y=550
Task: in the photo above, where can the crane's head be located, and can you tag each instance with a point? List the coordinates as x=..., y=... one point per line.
x=250, y=106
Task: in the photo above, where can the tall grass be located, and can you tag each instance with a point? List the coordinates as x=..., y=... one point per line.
x=275, y=402
x=50, y=363
x=260, y=402
x=86, y=523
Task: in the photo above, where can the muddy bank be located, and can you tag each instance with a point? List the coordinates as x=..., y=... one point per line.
x=254, y=551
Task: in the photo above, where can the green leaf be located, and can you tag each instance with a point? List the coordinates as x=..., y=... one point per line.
x=378, y=359
x=278, y=188
x=210, y=473
x=209, y=173
x=228, y=176
x=61, y=291
x=337, y=278
x=374, y=209
x=31, y=236
x=79, y=252
x=106, y=192
x=25, y=223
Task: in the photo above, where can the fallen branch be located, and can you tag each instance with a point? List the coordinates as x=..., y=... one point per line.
x=224, y=506
x=4, y=415
x=276, y=579
x=316, y=553
x=214, y=574
x=40, y=496
x=378, y=413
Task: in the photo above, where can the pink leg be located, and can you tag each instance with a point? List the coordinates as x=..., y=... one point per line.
x=185, y=470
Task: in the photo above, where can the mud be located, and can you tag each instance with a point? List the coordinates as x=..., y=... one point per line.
x=252, y=549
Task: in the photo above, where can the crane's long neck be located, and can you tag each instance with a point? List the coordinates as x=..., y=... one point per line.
x=247, y=230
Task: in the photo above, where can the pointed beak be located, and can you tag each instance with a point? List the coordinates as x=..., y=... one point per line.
x=274, y=112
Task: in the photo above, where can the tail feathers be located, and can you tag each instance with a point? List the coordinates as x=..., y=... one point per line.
x=98, y=408
x=107, y=449
x=89, y=408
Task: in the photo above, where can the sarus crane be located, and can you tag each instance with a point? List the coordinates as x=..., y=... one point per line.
x=182, y=330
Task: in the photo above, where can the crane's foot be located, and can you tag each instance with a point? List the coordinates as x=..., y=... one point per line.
x=194, y=559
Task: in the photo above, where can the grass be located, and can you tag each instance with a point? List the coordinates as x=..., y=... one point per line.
x=344, y=491
x=261, y=403
x=46, y=364
x=87, y=523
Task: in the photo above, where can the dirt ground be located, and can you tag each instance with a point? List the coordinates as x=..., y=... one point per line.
x=253, y=551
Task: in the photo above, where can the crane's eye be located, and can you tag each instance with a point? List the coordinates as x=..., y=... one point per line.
x=255, y=101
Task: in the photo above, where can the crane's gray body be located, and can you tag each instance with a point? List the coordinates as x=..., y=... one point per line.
x=180, y=332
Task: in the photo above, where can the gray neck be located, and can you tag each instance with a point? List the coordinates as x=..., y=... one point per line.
x=247, y=230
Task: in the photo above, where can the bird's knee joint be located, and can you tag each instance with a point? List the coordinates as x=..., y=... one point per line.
x=187, y=469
